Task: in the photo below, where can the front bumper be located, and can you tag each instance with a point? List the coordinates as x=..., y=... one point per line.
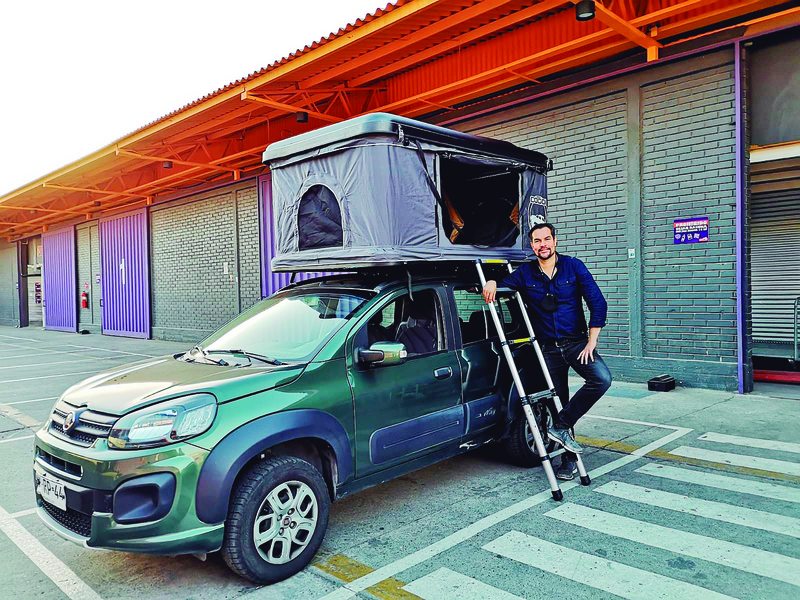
x=92, y=475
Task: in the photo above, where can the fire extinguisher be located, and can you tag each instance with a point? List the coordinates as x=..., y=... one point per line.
x=84, y=300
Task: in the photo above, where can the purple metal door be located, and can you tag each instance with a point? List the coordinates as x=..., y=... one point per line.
x=272, y=282
x=125, y=275
x=58, y=279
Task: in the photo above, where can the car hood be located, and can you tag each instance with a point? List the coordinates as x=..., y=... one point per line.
x=121, y=390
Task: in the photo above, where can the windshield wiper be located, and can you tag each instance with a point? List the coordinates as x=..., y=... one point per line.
x=205, y=354
x=250, y=355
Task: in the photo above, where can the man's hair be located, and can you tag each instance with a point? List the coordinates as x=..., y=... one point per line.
x=542, y=226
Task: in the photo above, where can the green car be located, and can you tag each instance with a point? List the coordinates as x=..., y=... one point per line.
x=240, y=444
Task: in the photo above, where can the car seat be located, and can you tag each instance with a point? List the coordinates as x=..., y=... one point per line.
x=418, y=331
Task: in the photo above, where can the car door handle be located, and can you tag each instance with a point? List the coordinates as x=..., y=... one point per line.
x=443, y=373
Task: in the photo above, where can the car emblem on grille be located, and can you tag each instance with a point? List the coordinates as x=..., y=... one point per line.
x=69, y=422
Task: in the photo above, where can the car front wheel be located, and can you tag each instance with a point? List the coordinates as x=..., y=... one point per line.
x=276, y=520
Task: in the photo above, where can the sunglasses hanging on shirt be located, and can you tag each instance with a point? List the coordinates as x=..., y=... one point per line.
x=549, y=303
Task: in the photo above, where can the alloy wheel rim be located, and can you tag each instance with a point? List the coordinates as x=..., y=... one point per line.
x=542, y=416
x=285, y=522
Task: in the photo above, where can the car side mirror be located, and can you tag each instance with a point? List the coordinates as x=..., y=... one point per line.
x=383, y=354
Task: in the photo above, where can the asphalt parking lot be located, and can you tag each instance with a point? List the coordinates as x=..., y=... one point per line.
x=695, y=494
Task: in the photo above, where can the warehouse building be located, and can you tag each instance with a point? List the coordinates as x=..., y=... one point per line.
x=673, y=126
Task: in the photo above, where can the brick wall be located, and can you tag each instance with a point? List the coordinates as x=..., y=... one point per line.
x=688, y=169
x=204, y=262
x=9, y=298
x=586, y=192
x=631, y=155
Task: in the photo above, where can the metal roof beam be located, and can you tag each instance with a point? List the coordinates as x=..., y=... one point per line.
x=247, y=97
x=70, y=188
x=177, y=161
x=627, y=30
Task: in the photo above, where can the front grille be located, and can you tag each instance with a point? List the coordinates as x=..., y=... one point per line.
x=59, y=464
x=89, y=425
x=71, y=519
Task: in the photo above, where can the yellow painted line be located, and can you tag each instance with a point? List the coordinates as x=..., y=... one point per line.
x=347, y=569
x=664, y=455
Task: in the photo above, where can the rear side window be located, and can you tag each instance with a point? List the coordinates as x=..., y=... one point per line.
x=473, y=316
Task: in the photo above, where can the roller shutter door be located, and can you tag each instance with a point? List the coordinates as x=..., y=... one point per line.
x=775, y=219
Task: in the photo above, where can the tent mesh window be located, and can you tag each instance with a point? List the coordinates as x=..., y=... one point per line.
x=319, y=219
x=480, y=203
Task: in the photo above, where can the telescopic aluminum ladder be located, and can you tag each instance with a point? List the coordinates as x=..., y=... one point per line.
x=528, y=400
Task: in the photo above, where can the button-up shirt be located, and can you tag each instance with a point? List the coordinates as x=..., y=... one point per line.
x=571, y=283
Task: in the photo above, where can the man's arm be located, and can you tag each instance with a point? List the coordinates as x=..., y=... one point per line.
x=598, y=310
x=513, y=280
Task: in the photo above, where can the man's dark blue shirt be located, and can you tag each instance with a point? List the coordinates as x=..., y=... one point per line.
x=572, y=283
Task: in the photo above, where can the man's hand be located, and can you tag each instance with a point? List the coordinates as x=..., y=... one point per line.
x=490, y=291
x=587, y=354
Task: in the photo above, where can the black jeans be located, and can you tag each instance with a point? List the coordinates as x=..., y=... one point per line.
x=596, y=375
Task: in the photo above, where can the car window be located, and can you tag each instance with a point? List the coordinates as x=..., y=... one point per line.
x=473, y=316
x=416, y=323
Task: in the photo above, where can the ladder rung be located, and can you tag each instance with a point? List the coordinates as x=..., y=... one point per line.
x=493, y=261
x=520, y=340
x=532, y=398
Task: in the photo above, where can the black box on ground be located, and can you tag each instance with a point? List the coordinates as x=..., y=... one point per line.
x=661, y=383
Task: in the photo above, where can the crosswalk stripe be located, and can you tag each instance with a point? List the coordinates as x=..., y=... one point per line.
x=740, y=460
x=737, y=440
x=600, y=573
x=444, y=584
x=723, y=482
x=750, y=560
x=718, y=511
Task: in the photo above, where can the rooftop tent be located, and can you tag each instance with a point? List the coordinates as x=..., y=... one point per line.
x=381, y=189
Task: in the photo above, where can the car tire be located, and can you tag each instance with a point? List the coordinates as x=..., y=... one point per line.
x=276, y=520
x=519, y=445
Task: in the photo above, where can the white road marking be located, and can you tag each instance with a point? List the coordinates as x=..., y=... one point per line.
x=445, y=584
x=119, y=351
x=599, y=573
x=739, y=460
x=629, y=421
x=737, y=440
x=46, y=561
x=28, y=401
x=744, y=558
x=16, y=439
x=48, y=376
x=390, y=570
x=18, y=416
x=62, y=362
x=23, y=513
x=717, y=511
x=723, y=482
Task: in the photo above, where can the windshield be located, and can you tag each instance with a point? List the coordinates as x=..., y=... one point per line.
x=289, y=327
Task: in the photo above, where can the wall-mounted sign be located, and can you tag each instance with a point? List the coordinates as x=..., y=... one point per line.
x=690, y=231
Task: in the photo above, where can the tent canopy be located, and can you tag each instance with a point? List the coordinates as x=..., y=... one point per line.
x=380, y=190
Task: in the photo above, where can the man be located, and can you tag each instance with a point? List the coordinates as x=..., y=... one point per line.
x=552, y=287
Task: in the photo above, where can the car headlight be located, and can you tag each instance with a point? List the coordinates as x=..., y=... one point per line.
x=164, y=423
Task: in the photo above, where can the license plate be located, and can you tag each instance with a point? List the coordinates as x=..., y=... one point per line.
x=51, y=489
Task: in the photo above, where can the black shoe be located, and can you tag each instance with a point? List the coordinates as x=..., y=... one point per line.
x=564, y=437
x=567, y=470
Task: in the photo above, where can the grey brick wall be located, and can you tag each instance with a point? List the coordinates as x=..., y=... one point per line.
x=586, y=192
x=688, y=170
x=204, y=262
x=631, y=155
x=249, y=249
x=9, y=298
x=88, y=268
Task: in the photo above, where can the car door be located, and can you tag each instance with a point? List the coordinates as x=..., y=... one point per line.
x=407, y=410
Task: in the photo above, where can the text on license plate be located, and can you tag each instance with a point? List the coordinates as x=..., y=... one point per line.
x=51, y=489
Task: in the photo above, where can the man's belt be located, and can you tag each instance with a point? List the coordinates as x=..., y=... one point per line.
x=565, y=341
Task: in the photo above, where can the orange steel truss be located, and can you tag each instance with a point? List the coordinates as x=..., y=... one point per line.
x=413, y=58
